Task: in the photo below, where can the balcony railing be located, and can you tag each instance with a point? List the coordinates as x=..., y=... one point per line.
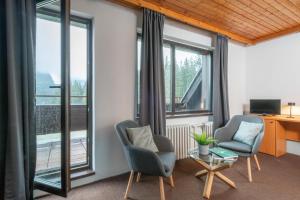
x=48, y=116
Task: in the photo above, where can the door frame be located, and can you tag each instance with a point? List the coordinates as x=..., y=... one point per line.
x=65, y=101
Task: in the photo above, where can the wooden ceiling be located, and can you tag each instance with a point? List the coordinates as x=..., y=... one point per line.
x=246, y=21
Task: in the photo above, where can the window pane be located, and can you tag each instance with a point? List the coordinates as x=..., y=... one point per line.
x=192, y=80
x=79, y=107
x=48, y=99
x=168, y=76
x=167, y=71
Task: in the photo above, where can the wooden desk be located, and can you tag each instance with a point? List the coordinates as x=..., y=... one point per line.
x=279, y=129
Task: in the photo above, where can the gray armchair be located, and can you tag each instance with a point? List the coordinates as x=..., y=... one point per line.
x=224, y=137
x=147, y=162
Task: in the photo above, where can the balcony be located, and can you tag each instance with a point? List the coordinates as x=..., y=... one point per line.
x=48, y=129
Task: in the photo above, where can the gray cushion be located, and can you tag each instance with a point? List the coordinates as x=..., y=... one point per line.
x=247, y=132
x=236, y=146
x=142, y=137
x=168, y=159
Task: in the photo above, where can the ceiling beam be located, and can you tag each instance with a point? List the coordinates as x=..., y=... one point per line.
x=183, y=18
x=277, y=34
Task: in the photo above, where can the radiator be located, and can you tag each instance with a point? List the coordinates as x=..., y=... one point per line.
x=181, y=136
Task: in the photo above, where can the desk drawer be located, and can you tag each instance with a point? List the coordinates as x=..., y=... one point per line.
x=268, y=144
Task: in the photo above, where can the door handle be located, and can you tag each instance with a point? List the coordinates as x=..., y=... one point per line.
x=54, y=86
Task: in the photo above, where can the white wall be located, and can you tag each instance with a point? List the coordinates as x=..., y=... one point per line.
x=273, y=71
x=236, y=77
x=114, y=77
x=114, y=80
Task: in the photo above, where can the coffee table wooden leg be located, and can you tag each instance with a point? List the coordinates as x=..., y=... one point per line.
x=201, y=173
x=208, y=185
x=225, y=179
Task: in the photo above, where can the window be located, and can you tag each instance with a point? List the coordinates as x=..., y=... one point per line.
x=48, y=94
x=188, y=78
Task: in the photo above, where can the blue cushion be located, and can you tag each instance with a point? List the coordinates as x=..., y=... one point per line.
x=247, y=132
x=236, y=146
x=168, y=160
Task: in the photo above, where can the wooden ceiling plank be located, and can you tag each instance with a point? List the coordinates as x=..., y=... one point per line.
x=268, y=7
x=296, y=3
x=208, y=16
x=255, y=14
x=234, y=6
x=291, y=7
x=281, y=8
x=278, y=34
x=225, y=25
x=255, y=6
x=227, y=17
x=185, y=19
x=226, y=14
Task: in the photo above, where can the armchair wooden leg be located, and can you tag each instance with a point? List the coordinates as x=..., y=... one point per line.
x=161, y=188
x=129, y=184
x=138, y=178
x=257, y=163
x=249, y=169
x=172, y=181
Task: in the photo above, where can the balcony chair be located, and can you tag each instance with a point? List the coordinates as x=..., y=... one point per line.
x=224, y=137
x=146, y=162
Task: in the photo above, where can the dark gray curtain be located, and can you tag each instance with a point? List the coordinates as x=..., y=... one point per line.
x=17, y=132
x=152, y=110
x=220, y=82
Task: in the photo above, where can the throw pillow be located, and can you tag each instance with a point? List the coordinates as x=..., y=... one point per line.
x=247, y=132
x=142, y=137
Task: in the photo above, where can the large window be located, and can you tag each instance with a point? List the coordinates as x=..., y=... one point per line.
x=188, y=78
x=48, y=94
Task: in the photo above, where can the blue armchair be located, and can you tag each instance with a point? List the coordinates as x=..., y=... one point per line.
x=143, y=161
x=224, y=137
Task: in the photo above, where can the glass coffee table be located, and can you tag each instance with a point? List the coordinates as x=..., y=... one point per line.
x=212, y=164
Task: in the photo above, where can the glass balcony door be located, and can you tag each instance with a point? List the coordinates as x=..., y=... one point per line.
x=53, y=96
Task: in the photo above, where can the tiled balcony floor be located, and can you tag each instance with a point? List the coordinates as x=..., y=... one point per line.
x=49, y=150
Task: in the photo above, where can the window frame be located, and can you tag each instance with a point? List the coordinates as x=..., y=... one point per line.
x=88, y=166
x=173, y=113
x=89, y=26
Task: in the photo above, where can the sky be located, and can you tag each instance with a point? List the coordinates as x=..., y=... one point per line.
x=181, y=54
x=48, y=50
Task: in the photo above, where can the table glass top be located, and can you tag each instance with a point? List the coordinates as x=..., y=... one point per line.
x=211, y=160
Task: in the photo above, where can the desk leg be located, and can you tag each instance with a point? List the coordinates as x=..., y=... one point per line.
x=208, y=184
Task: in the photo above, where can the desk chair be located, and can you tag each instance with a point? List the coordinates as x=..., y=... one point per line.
x=224, y=137
x=143, y=161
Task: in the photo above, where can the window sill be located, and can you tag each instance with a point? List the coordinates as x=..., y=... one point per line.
x=82, y=174
x=189, y=115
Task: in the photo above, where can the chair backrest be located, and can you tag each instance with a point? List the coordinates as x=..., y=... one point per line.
x=235, y=122
x=122, y=133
